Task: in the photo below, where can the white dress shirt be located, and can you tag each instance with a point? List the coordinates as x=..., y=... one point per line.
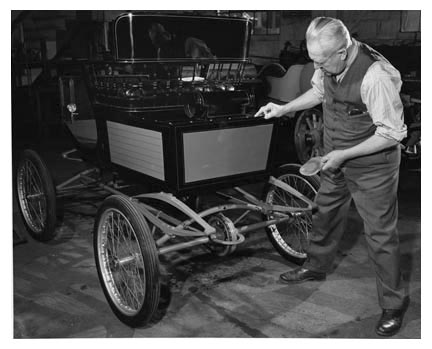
x=379, y=92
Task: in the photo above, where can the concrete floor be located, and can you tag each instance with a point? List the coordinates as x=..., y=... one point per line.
x=57, y=293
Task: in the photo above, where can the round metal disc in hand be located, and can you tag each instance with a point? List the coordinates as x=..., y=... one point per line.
x=312, y=166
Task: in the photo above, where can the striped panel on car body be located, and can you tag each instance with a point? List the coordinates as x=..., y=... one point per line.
x=136, y=148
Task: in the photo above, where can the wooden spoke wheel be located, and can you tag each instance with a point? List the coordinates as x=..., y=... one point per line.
x=308, y=135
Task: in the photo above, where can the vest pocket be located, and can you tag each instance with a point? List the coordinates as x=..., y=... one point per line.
x=357, y=116
x=358, y=126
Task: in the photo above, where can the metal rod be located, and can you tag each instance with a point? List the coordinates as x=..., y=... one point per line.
x=221, y=208
x=183, y=245
x=173, y=201
x=129, y=259
x=131, y=36
x=68, y=194
x=289, y=209
x=161, y=214
x=233, y=198
x=74, y=178
x=291, y=190
x=166, y=228
x=65, y=155
x=90, y=179
x=255, y=226
x=74, y=190
x=73, y=187
x=162, y=240
x=32, y=196
x=112, y=190
x=248, y=196
x=260, y=206
x=243, y=215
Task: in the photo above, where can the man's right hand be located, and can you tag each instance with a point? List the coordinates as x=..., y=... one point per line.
x=270, y=110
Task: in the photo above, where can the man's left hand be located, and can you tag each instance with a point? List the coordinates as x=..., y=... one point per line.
x=333, y=160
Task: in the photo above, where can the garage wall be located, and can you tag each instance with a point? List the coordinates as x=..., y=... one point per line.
x=384, y=27
x=378, y=28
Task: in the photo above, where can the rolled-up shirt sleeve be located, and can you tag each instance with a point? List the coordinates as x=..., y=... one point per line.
x=317, y=83
x=380, y=92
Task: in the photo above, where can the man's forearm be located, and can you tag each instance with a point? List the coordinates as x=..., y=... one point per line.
x=336, y=158
x=272, y=110
x=369, y=146
x=307, y=100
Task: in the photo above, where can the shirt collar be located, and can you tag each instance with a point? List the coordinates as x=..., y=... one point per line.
x=351, y=58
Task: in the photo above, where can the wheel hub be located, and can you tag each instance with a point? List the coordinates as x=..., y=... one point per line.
x=225, y=231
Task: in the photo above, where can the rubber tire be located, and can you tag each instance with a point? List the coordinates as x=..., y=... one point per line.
x=49, y=232
x=314, y=181
x=149, y=255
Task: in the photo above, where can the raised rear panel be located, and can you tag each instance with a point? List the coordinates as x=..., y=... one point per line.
x=226, y=152
x=136, y=148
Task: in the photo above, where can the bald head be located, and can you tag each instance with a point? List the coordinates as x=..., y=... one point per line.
x=328, y=34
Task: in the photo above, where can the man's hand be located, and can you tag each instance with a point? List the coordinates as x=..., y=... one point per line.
x=307, y=100
x=270, y=110
x=333, y=160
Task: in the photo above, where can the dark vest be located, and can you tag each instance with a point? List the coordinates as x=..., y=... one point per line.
x=346, y=119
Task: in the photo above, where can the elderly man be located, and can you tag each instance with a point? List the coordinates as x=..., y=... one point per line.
x=363, y=125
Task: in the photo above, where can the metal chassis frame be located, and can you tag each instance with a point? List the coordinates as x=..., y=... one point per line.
x=172, y=227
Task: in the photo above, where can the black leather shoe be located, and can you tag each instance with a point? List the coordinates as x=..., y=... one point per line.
x=301, y=275
x=391, y=320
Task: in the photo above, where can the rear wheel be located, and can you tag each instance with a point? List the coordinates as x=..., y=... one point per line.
x=291, y=237
x=126, y=261
x=36, y=196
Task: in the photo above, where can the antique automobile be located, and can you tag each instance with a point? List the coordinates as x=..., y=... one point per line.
x=174, y=111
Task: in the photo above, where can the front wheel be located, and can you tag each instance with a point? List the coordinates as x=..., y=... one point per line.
x=36, y=196
x=126, y=261
x=291, y=237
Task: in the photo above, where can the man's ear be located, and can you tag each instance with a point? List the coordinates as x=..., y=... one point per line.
x=344, y=54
